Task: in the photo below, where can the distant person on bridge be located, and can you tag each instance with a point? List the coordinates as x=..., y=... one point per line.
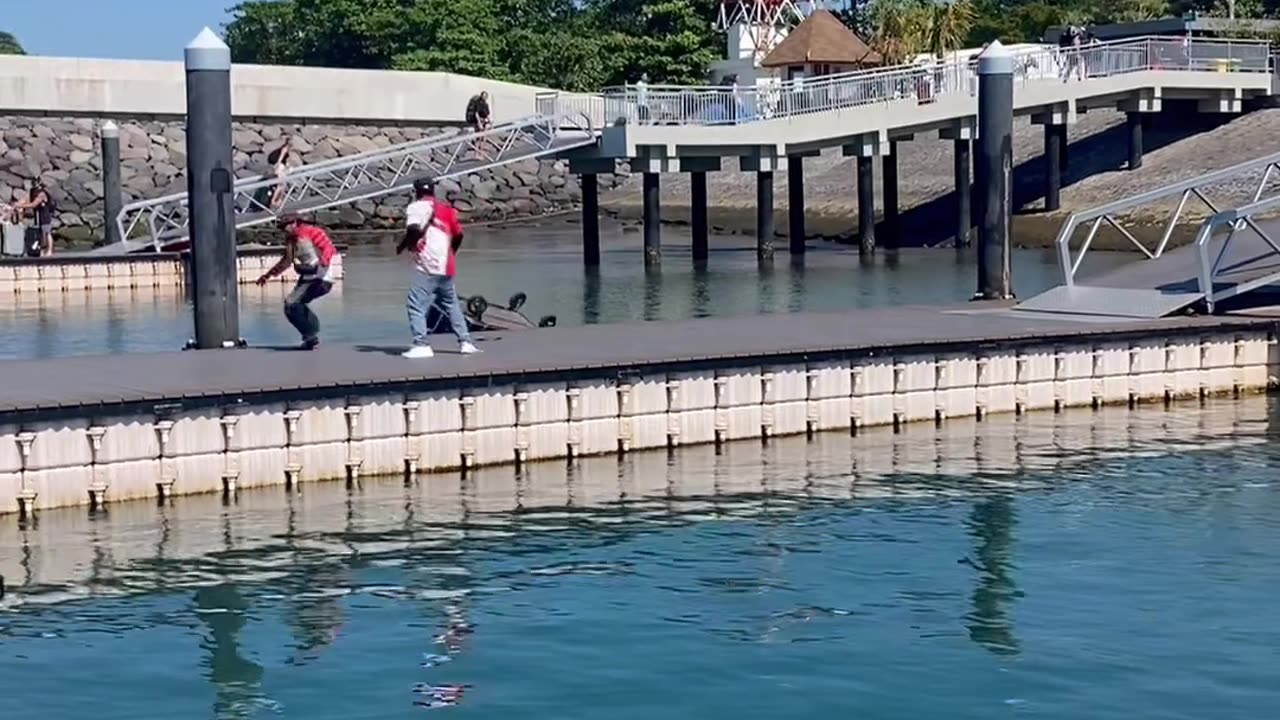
x=41, y=204
x=308, y=249
x=433, y=231
x=279, y=159
x=478, y=112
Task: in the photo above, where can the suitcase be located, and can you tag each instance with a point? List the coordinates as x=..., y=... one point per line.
x=31, y=240
x=13, y=242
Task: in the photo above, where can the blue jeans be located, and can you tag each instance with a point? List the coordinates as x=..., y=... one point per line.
x=425, y=290
x=297, y=306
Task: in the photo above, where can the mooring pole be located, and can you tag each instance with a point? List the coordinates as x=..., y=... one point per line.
x=112, y=200
x=994, y=166
x=215, y=285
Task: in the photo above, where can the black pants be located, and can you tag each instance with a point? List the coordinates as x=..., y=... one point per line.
x=297, y=306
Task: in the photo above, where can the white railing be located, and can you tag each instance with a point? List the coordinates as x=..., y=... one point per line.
x=1262, y=263
x=921, y=82
x=1267, y=169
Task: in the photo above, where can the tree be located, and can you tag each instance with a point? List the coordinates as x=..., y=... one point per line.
x=567, y=44
x=9, y=45
x=948, y=26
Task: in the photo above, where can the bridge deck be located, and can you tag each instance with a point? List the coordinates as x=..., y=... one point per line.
x=97, y=384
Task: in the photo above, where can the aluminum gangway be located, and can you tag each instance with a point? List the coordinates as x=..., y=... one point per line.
x=161, y=222
x=1234, y=250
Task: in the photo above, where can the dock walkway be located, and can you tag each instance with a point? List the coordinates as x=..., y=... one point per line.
x=92, y=384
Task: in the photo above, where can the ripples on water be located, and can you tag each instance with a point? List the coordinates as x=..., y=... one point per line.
x=1115, y=564
x=546, y=264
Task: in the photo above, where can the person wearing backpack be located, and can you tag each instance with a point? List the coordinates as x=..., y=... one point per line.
x=42, y=206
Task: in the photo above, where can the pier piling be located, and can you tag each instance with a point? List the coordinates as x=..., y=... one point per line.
x=795, y=203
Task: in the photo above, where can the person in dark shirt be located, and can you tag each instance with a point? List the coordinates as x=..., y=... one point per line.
x=41, y=205
x=478, y=112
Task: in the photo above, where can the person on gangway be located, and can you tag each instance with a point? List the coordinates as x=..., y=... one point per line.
x=310, y=251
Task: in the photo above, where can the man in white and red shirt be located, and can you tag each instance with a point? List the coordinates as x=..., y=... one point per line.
x=433, y=231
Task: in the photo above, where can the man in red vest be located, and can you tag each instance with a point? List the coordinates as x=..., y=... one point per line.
x=308, y=249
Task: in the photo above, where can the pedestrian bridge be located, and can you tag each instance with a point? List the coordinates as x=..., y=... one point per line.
x=864, y=110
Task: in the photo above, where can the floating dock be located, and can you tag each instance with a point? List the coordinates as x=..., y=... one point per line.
x=91, y=430
x=76, y=272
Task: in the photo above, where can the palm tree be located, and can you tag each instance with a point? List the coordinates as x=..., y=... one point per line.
x=905, y=28
x=899, y=29
x=9, y=44
x=949, y=23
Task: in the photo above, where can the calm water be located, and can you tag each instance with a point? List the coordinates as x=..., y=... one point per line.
x=1087, y=565
x=543, y=262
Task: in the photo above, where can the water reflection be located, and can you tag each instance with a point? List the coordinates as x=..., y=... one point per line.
x=992, y=524
x=833, y=543
x=237, y=681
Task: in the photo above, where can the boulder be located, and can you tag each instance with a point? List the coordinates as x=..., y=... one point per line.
x=80, y=157
x=350, y=217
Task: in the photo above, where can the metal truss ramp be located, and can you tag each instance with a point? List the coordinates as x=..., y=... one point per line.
x=1233, y=252
x=162, y=222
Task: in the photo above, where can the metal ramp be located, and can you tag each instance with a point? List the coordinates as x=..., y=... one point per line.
x=161, y=222
x=1233, y=252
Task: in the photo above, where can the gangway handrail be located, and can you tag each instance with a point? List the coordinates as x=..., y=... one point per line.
x=1193, y=187
x=1234, y=219
x=922, y=81
x=372, y=173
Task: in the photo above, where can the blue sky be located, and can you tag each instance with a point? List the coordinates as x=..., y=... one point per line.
x=136, y=29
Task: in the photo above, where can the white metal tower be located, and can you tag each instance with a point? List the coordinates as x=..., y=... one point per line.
x=755, y=27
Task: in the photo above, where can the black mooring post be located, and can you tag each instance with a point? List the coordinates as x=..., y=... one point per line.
x=994, y=166
x=215, y=282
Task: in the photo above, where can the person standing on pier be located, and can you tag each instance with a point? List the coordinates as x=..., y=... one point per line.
x=41, y=204
x=308, y=249
x=433, y=231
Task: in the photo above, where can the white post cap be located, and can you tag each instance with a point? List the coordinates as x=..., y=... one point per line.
x=109, y=129
x=995, y=60
x=207, y=52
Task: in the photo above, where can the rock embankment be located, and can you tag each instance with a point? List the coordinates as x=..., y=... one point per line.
x=65, y=153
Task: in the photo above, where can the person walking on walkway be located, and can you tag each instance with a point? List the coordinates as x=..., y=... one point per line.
x=434, y=233
x=308, y=249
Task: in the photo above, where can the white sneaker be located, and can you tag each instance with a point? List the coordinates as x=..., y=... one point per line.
x=418, y=352
x=468, y=348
